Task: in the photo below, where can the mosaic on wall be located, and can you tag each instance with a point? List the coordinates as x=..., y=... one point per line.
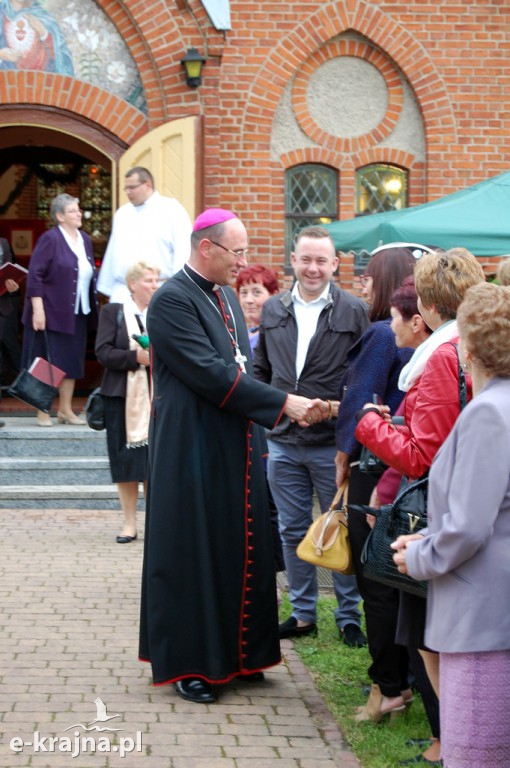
x=70, y=38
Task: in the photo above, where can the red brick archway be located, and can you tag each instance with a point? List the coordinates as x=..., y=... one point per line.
x=156, y=45
x=289, y=56
x=74, y=97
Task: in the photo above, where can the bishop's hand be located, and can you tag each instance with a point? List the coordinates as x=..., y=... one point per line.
x=304, y=411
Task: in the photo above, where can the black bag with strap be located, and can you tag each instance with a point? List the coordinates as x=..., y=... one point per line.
x=94, y=410
x=407, y=514
x=31, y=390
x=94, y=407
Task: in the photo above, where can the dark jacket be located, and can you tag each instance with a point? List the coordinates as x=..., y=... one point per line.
x=6, y=304
x=113, y=352
x=374, y=368
x=341, y=324
x=53, y=275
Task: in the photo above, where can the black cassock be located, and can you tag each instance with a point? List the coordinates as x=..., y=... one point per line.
x=209, y=604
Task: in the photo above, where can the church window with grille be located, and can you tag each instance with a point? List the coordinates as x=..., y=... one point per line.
x=310, y=199
x=379, y=188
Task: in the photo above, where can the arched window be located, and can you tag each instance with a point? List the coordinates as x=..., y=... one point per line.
x=310, y=198
x=380, y=187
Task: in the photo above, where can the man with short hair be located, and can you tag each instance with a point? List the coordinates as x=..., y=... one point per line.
x=305, y=336
x=209, y=611
x=151, y=226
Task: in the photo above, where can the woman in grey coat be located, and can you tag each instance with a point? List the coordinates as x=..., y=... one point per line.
x=465, y=550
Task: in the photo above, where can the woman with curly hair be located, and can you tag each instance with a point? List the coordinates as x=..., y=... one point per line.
x=464, y=551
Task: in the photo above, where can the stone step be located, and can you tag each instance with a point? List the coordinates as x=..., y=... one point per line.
x=54, y=470
x=63, y=497
x=22, y=437
x=58, y=467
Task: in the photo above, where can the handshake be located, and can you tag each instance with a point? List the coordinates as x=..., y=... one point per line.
x=307, y=412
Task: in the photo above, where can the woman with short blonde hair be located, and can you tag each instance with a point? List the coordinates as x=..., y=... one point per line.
x=442, y=278
x=125, y=389
x=484, y=326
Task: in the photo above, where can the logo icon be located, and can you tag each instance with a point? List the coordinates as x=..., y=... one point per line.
x=101, y=717
x=84, y=744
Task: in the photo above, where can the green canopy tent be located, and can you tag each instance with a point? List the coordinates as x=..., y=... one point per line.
x=476, y=218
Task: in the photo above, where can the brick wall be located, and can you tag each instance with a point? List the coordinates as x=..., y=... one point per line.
x=453, y=54
x=454, y=57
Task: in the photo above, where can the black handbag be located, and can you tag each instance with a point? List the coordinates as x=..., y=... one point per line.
x=94, y=407
x=94, y=410
x=407, y=514
x=31, y=390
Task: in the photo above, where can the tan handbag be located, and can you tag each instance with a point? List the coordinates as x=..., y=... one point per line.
x=326, y=542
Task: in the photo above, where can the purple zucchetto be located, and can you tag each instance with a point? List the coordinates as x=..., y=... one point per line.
x=212, y=216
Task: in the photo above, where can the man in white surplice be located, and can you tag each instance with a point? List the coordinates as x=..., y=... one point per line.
x=150, y=225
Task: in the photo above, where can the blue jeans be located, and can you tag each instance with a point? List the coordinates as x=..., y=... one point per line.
x=293, y=473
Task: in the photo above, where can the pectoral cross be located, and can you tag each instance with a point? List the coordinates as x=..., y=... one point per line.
x=240, y=359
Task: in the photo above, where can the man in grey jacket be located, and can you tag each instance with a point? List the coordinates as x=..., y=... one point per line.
x=305, y=337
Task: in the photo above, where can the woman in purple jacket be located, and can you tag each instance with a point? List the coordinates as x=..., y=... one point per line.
x=61, y=300
x=464, y=551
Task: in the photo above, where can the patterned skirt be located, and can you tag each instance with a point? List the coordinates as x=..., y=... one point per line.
x=475, y=709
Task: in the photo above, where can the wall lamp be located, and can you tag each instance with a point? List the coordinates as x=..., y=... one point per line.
x=193, y=63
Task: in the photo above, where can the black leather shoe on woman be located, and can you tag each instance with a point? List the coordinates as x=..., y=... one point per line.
x=196, y=690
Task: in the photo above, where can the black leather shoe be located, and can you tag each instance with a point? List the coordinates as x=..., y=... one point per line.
x=252, y=677
x=353, y=636
x=125, y=539
x=290, y=628
x=196, y=690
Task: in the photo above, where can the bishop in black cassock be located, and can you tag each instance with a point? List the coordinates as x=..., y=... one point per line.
x=209, y=610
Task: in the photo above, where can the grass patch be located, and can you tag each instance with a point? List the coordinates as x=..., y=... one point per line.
x=340, y=674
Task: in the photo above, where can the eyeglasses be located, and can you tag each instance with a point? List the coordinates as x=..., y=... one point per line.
x=364, y=279
x=239, y=253
x=133, y=186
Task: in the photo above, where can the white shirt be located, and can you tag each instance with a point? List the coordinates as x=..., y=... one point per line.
x=85, y=272
x=307, y=316
x=140, y=313
x=158, y=232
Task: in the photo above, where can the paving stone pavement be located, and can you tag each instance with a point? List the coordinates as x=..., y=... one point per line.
x=68, y=651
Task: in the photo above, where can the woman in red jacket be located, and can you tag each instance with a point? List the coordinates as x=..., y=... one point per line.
x=431, y=406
